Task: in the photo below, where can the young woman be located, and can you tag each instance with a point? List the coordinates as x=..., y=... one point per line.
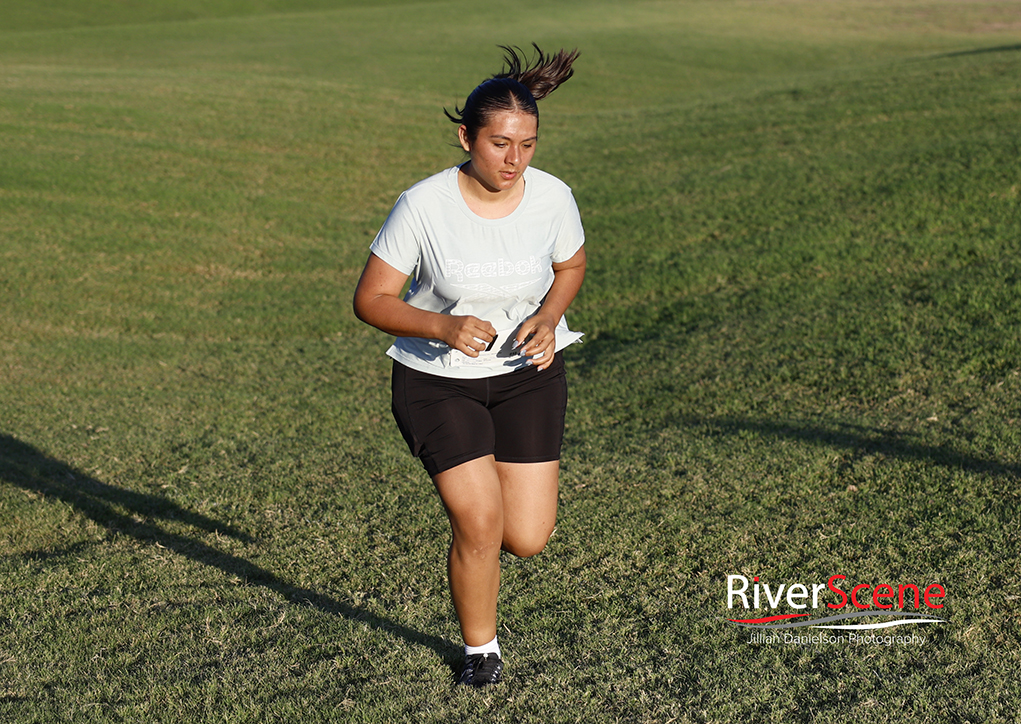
x=495, y=251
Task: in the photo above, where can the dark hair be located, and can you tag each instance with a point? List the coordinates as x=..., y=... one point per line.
x=515, y=89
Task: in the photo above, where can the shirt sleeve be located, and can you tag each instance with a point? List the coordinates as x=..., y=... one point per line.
x=572, y=234
x=397, y=242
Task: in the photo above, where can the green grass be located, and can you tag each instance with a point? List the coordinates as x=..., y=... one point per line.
x=801, y=359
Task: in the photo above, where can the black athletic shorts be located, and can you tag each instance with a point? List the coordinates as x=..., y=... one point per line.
x=517, y=417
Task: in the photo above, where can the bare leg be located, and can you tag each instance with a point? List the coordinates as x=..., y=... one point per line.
x=471, y=494
x=529, y=505
x=491, y=506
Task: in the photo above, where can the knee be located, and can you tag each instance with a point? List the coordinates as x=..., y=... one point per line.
x=479, y=536
x=526, y=546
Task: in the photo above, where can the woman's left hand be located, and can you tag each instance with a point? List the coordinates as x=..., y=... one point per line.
x=537, y=337
x=537, y=340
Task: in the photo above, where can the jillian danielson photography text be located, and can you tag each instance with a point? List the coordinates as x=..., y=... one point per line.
x=805, y=639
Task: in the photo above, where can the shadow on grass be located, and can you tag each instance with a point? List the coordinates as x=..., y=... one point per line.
x=982, y=51
x=610, y=347
x=861, y=439
x=23, y=466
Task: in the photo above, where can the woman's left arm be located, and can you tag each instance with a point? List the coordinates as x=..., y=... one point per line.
x=541, y=327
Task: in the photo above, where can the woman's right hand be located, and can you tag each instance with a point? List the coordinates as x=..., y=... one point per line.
x=467, y=334
x=377, y=302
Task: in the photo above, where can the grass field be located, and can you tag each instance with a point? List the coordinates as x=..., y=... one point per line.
x=802, y=359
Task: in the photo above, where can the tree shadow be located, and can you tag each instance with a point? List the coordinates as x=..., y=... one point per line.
x=607, y=349
x=26, y=467
x=861, y=439
x=982, y=51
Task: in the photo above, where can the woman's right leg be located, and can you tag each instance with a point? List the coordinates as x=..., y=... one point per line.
x=472, y=496
x=444, y=421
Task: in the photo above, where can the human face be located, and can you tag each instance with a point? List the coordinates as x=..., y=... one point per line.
x=502, y=150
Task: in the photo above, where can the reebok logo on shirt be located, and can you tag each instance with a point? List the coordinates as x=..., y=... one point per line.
x=459, y=271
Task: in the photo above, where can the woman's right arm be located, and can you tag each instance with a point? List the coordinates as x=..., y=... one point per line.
x=377, y=302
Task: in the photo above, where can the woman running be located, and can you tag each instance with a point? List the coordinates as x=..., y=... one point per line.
x=495, y=251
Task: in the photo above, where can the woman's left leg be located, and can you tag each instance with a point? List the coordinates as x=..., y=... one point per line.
x=528, y=420
x=529, y=505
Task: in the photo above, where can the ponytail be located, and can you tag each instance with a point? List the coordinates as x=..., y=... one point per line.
x=542, y=77
x=515, y=89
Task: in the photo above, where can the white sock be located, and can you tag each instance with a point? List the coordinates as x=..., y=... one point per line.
x=491, y=648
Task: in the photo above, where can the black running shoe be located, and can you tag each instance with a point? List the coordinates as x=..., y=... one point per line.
x=481, y=670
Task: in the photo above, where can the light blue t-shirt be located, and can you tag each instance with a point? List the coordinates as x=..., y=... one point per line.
x=498, y=270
